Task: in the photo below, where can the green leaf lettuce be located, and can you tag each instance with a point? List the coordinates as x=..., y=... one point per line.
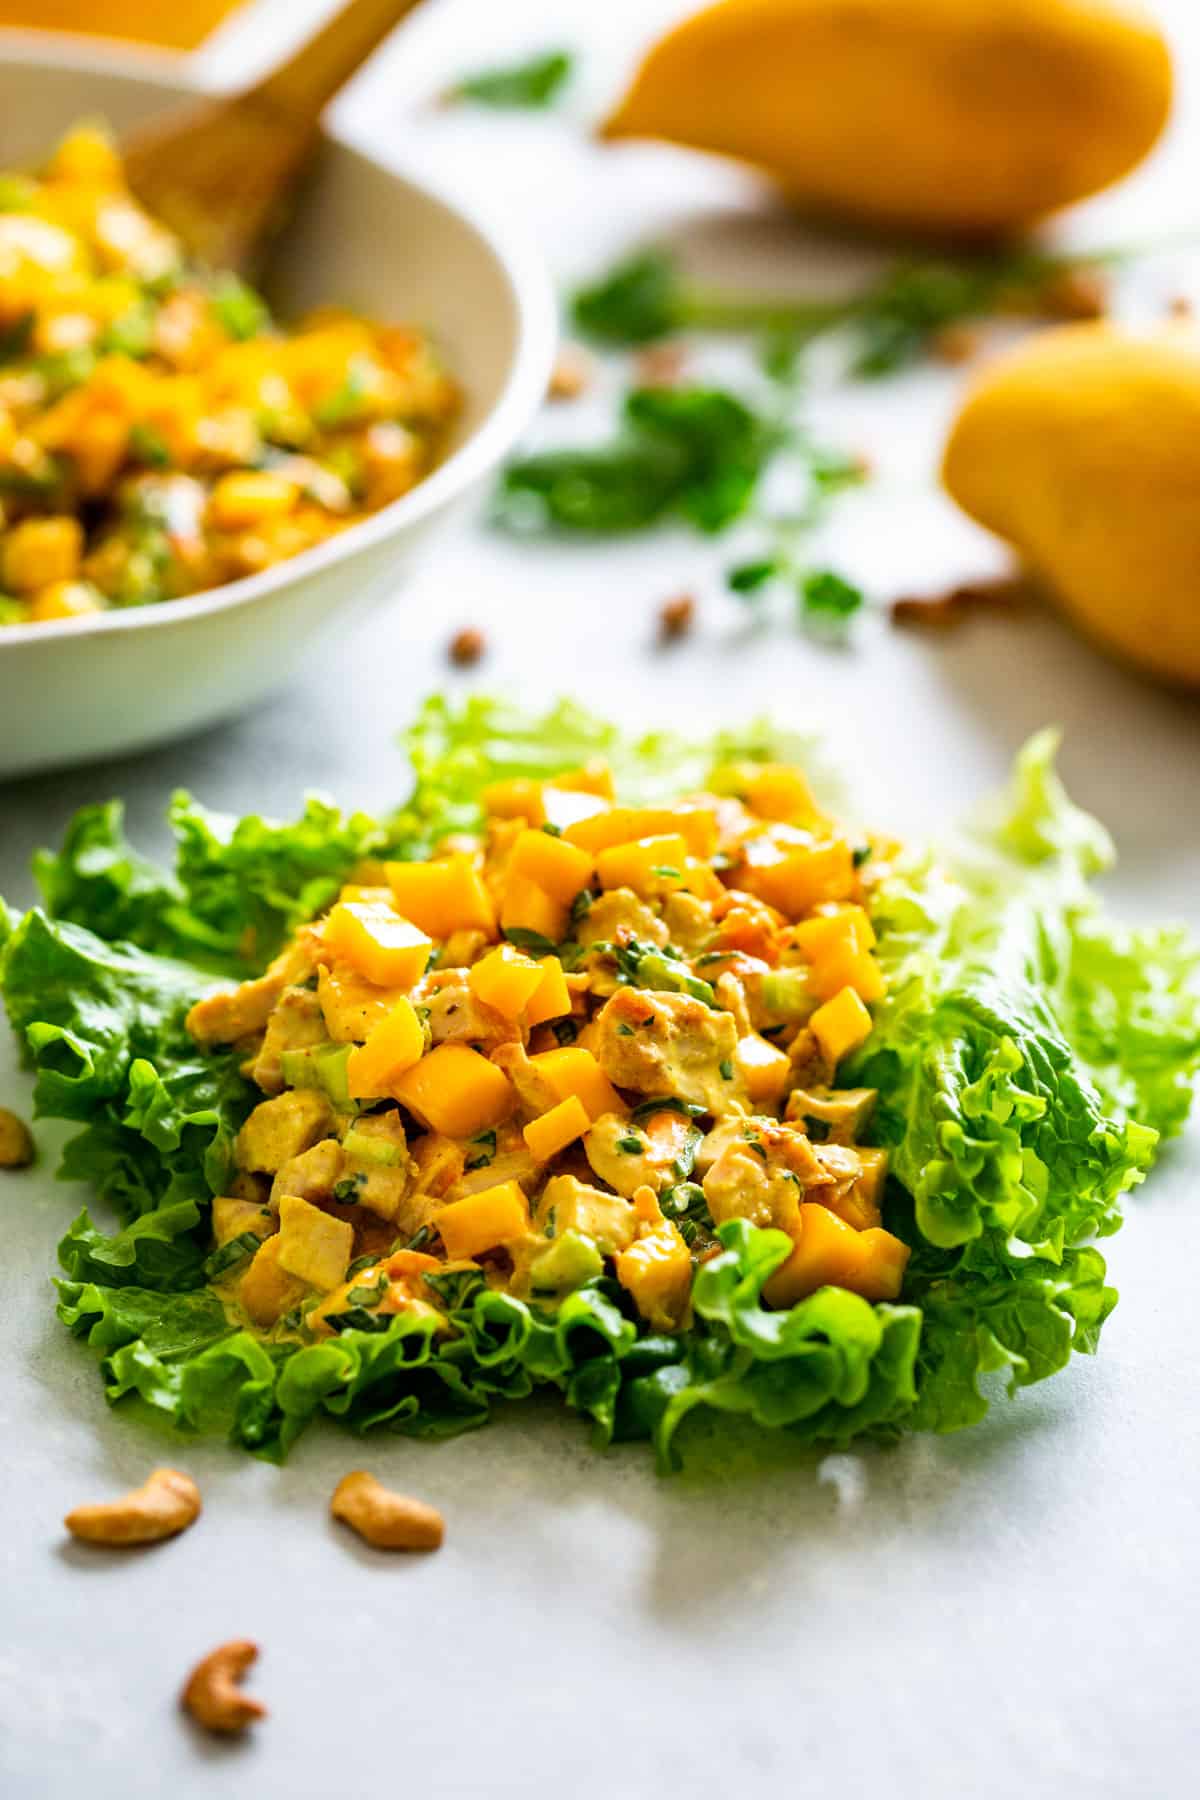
x=1028, y=1054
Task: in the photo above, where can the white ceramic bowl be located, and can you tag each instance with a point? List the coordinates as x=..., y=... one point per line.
x=365, y=237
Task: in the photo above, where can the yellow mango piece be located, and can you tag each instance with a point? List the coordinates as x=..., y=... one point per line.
x=830, y=1253
x=766, y=1070
x=313, y=1245
x=88, y=155
x=40, y=552
x=250, y=497
x=697, y=825
x=958, y=116
x=554, y=1130
x=780, y=791
x=394, y=1044
x=456, y=1091
x=841, y=1025
x=575, y=794
x=517, y=798
x=1082, y=449
x=65, y=600
x=442, y=896
x=497, y=1215
x=562, y=869
x=267, y=1290
x=572, y=1070
x=794, y=878
x=528, y=907
x=505, y=979
x=657, y=1268
x=377, y=942
x=552, y=997
x=650, y=866
x=836, y=946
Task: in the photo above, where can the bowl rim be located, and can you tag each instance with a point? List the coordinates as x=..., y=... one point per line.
x=523, y=391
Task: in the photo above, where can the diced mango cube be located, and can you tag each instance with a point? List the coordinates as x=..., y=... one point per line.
x=650, y=866
x=657, y=1268
x=483, y=1221
x=841, y=1025
x=837, y=945
x=250, y=497
x=377, y=942
x=87, y=155
x=554, y=1130
x=780, y=791
x=766, y=1070
x=267, y=1290
x=517, y=798
x=552, y=997
x=505, y=979
x=831, y=1253
x=313, y=1245
x=456, y=1091
x=573, y=1070
x=38, y=552
x=697, y=825
x=442, y=896
x=528, y=907
x=796, y=877
x=393, y=1045
x=65, y=600
x=562, y=869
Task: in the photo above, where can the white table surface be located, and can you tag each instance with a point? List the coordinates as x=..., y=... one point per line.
x=1011, y=1611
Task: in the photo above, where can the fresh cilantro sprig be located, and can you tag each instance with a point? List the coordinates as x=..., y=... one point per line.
x=691, y=452
x=531, y=85
x=699, y=454
x=889, y=324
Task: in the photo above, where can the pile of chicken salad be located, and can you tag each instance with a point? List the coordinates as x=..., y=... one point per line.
x=621, y=1067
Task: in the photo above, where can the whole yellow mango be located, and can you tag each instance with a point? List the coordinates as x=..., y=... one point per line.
x=1082, y=448
x=966, y=117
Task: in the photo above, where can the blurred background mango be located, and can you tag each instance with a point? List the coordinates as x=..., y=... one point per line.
x=180, y=25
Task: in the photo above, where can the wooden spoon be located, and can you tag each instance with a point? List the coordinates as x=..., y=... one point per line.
x=220, y=173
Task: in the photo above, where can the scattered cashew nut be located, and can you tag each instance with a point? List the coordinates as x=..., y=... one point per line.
x=166, y=1503
x=388, y=1520
x=16, y=1142
x=212, y=1694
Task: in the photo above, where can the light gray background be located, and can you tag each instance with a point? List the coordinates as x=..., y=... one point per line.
x=1012, y=1611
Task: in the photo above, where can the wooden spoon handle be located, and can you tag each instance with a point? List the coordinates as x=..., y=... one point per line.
x=305, y=83
x=220, y=174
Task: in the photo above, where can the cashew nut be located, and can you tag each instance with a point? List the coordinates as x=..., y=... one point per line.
x=389, y=1521
x=212, y=1694
x=16, y=1143
x=167, y=1502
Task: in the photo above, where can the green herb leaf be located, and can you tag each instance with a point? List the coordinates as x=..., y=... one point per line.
x=531, y=85
x=827, y=597
x=229, y=1255
x=238, y=309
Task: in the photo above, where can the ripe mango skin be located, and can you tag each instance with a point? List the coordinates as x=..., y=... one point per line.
x=968, y=118
x=1082, y=449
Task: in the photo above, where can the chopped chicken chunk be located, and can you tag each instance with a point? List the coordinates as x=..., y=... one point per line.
x=655, y=1152
x=669, y=1045
x=238, y=1012
x=281, y=1128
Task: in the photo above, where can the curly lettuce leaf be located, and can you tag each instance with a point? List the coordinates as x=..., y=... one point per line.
x=239, y=888
x=1028, y=1055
